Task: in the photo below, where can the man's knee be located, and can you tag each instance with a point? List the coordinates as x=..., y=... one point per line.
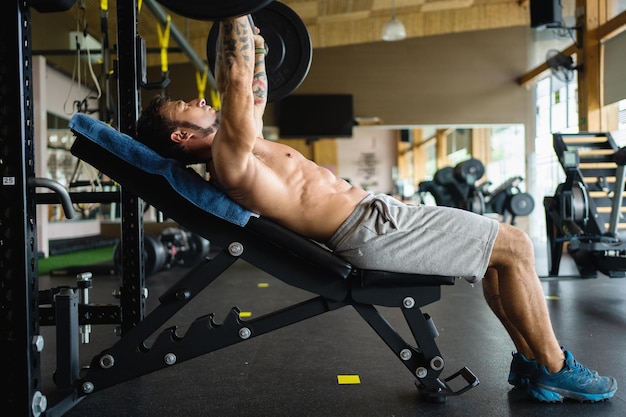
x=512, y=244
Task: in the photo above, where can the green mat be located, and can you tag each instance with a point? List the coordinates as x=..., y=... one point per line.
x=79, y=258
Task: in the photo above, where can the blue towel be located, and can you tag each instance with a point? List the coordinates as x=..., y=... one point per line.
x=187, y=184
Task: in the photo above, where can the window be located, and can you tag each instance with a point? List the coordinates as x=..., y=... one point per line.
x=507, y=155
x=556, y=106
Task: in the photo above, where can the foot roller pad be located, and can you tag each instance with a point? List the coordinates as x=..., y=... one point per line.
x=442, y=389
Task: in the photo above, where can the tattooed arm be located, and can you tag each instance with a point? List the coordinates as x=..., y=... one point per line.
x=259, y=83
x=235, y=139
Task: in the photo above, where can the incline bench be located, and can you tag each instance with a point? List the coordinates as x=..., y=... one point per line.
x=185, y=197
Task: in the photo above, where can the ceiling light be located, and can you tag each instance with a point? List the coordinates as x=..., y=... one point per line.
x=394, y=29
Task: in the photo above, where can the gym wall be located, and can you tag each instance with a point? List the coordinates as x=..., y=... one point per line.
x=467, y=78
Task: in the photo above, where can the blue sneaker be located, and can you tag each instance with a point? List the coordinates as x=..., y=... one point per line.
x=521, y=368
x=574, y=381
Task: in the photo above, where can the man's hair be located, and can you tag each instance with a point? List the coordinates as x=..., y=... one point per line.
x=154, y=130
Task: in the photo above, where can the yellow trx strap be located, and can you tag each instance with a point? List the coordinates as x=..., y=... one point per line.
x=201, y=82
x=104, y=5
x=215, y=100
x=164, y=40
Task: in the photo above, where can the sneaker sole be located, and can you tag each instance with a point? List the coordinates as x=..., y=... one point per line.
x=555, y=395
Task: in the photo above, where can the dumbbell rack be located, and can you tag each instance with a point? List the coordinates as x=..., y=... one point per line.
x=581, y=209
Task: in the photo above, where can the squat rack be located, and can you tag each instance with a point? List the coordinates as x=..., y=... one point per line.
x=20, y=316
x=20, y=341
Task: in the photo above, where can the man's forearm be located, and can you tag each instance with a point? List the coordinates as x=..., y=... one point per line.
x=259, y=86
x=235, y=46
x=259, y=83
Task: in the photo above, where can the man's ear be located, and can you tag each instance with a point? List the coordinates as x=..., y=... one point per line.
x=179, y=136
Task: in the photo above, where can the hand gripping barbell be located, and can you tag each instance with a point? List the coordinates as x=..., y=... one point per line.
x=286, y=37
x=289, y=48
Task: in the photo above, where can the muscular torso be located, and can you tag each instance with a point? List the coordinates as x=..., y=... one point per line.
x=294, y=192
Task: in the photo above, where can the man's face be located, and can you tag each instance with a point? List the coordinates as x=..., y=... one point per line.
x=196, y=123
x=196, y=112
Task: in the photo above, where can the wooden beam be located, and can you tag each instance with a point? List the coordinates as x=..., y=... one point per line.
x=588, y=21
x=528, y=78
x=481, y=144
x=613, y=27
x=420, y=158
x=325, y=154
x=442, y=148
x=445, y=5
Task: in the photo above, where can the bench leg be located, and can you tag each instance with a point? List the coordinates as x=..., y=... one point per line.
x=423, y=360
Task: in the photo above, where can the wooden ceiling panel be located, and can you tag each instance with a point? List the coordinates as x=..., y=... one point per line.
x=337, y=7
x=330, y=22
x=443, y=5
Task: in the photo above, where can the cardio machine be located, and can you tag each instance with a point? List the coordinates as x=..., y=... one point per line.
x=586, y=209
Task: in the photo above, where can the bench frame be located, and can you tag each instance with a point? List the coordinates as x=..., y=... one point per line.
x=281, y=253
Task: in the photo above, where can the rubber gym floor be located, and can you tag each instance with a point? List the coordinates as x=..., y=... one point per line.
x=294, y=371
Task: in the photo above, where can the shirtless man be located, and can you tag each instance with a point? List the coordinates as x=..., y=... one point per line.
x=369, y=231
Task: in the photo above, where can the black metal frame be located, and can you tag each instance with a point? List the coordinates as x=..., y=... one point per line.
x=20, y=341
x=133, y=273
x=20, y=296
x=130, y=357
x=590, y=245
x=20, y=315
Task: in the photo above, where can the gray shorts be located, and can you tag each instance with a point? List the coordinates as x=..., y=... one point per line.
x=385, y=234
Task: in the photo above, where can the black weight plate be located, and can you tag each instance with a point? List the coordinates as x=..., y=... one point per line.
x=444, y=176
x=198, y=249
x=470, y=171
x=213, y=9
x=153, y=255
x=48, y=6
x=290, y=51
x=521, y=204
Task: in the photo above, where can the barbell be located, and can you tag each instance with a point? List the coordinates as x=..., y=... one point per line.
x=289, y=48
x=287, y=39
x=214, y=9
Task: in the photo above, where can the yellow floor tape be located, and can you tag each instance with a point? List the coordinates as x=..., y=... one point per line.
x=348, y=379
